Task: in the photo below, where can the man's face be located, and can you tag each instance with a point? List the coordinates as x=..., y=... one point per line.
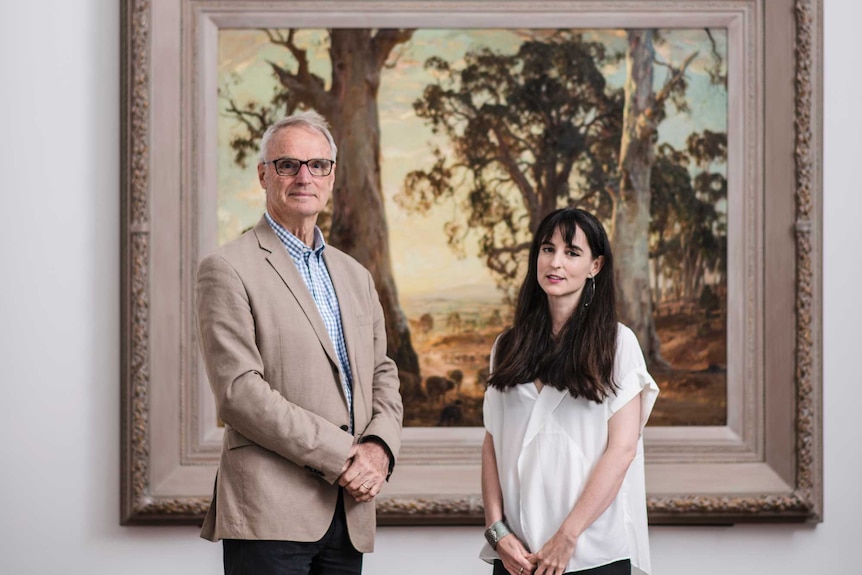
x=293, y=200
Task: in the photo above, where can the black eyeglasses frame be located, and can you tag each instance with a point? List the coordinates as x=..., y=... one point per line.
x=302, y=163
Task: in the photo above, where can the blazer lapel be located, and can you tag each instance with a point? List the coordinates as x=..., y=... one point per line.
x=344, y=291
x=282, y=263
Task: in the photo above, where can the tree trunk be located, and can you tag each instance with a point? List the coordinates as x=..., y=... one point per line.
x=631, y=225
x=359, y=220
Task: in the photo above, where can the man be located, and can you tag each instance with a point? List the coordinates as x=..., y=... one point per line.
x=293, y=338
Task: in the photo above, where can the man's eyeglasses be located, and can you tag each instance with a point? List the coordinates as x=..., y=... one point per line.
x=290, y=166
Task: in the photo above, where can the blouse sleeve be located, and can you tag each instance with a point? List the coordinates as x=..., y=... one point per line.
x=631, y=376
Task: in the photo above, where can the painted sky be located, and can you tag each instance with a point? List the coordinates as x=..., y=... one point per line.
x=420, y=255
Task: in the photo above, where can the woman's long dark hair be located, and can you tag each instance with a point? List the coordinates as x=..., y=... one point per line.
x=580, y=359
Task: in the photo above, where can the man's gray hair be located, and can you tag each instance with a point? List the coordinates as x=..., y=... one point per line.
x=308, y=119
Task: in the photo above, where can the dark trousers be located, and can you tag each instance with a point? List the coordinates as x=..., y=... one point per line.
x=622, y=567
x=332, y=555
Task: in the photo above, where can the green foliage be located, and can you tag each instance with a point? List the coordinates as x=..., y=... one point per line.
x=529, y=132
x=688, y=231
x=707, y=148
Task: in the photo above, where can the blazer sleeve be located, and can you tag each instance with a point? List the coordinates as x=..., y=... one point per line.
x=386, y=406
x=244, y=399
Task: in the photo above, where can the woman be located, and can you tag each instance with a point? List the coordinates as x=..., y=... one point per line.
x=569, y=395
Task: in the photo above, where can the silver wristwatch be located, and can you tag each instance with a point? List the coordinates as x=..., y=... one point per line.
x=495, y=532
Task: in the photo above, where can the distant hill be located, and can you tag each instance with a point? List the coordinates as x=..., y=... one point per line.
x=476, y=297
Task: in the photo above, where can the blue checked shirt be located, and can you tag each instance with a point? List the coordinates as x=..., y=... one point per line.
x=312, y=268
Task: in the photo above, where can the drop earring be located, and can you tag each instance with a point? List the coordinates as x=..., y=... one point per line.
x=590, y=289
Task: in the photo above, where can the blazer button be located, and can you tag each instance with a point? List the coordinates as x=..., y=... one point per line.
x=311, y=469
x=344, y=428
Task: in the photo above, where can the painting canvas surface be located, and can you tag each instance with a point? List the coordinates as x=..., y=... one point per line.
x=455, y=289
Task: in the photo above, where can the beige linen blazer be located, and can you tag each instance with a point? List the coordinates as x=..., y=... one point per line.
x=275, y=376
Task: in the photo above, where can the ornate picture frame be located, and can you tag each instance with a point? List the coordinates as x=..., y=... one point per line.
x=764, y=465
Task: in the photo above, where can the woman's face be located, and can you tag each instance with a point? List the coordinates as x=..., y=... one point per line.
x=563, y=269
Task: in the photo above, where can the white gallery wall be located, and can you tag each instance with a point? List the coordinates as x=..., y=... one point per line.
x=59, y=330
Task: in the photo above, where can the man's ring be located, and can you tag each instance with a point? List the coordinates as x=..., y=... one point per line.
x=365, y=486
x=521, y=570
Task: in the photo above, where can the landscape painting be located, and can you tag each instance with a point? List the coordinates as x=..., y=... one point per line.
x=454, y=143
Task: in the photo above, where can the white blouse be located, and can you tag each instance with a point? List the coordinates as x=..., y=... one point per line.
x=547, y=444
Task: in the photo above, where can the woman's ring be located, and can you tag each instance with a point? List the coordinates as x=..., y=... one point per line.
x=365, y=486
x=521, y=570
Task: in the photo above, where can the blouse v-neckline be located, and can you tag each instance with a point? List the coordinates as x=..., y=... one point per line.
x=539, y=386
x=544, y=404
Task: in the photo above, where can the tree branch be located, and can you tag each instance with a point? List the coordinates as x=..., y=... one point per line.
x=385, y=40
x=303, y=86
x=676, y=76
x=245, y=117
x=494, y=261
x=301, y=56
x=511, y=167
x=715, y=75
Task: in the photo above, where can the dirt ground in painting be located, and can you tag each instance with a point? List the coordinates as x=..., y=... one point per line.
x=441, y=355
x=693, y=389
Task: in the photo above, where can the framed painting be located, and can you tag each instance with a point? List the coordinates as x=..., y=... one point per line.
x=722, y=281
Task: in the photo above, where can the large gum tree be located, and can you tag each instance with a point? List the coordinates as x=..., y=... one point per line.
x=358, y=225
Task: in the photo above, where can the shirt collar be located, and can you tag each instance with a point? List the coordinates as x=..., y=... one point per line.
x=294, y=245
